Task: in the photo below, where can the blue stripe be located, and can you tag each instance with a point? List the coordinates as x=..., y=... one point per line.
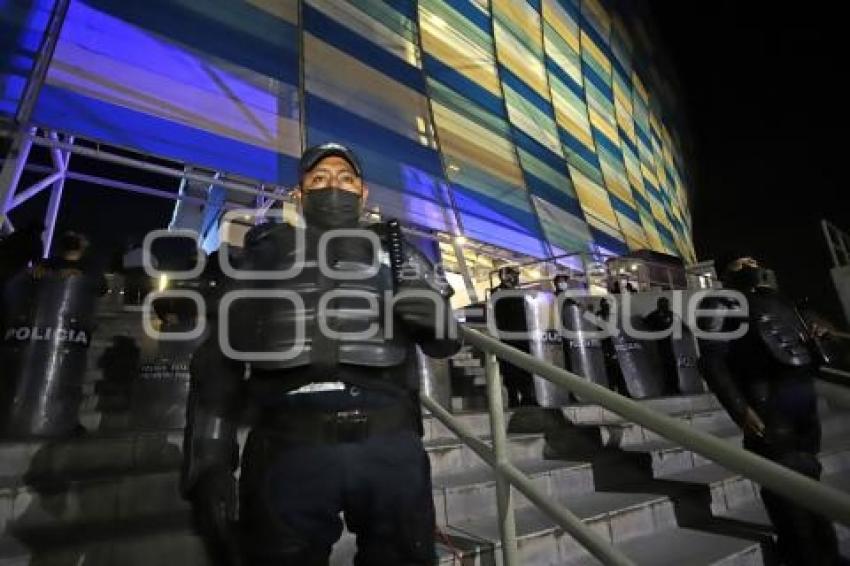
x=603, y=143
x=624, y=139
x=621, y=70
x=642, y=134
x=534, y=4
x=404, y=7
x=470, y=90
x=539, y=151
x=557, y=197
x=495, y=211
x=329, y=122
x=574, y=145
x=642, y=203
x=588, y=27
x=612, y=244
x=624, y=209
x=561, y=74
x=471, y=13
x=272, y=51
x=78, y=114
x=355, y=45
x=570, y=7
x=525, y=91
x=603, y=87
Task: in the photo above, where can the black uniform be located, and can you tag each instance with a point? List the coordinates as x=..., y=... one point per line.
x=510, y=318
x=354, y=448
x=771, y=369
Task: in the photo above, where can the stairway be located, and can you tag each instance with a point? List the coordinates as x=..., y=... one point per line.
x=110, y=496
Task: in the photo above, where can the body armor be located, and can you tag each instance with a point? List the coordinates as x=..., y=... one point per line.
x=281, y=325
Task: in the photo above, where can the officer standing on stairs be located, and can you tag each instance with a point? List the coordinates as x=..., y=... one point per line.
x=339, y=426
x=765, y=380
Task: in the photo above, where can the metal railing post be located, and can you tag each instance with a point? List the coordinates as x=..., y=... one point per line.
x=498, y=430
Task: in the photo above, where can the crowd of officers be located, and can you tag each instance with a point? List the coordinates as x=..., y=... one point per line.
x=336, y=430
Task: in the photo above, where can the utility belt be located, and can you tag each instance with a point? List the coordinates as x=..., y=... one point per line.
x=354, y=425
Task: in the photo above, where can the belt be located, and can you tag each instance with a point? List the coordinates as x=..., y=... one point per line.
x=305, y=427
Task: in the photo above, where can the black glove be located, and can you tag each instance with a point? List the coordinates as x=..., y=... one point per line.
x=214, y=507
x=419, y=311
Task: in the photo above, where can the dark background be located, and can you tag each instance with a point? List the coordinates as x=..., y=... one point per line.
x=767, y=109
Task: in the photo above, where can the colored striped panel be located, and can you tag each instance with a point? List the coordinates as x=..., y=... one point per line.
x=22, y=27
x=78, y=113
x=329, y=73
x=459, y=44
x=374, y=21
x=236, y=32
x=564, y=230
x=101, y=57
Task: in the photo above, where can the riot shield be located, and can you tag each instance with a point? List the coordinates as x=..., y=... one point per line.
x=685, y=354
x=638, y=362
x=160, y=390
x=46, y=337
x=545, y=344
x=434, y=378
x=583, y=355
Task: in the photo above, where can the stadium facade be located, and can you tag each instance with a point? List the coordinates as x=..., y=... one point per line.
x=537, y=127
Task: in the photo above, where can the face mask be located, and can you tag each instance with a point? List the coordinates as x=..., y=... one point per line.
x=330, y=208
x=563, y=286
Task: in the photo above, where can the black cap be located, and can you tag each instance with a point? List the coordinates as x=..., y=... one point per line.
x=313, y=155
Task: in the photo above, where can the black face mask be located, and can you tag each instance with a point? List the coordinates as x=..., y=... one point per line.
x=331, y=208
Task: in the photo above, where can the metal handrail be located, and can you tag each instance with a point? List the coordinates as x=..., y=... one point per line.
x=803, y=490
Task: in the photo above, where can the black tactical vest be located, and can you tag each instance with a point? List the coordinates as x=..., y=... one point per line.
x=778, y=329
x=301, y=327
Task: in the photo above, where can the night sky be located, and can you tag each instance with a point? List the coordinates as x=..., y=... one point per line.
x=767, y=112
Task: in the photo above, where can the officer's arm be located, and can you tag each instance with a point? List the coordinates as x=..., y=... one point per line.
x=715, y=369
x=427, y=312
x=213, y=410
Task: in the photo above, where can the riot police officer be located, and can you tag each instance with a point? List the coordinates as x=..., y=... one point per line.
x=338, y=426
x=509, y=311
x=765, y=381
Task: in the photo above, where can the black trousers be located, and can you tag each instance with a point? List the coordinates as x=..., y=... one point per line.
x=291, y=497
x=793, y=440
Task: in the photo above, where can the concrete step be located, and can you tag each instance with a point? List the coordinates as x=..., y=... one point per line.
x=31, y=460
x=591, y=415
x=472, y=494
x=629, y=434
x=729, y=489
x=136, y=451
x=678, y=547
x=62, y=505
x=450, y=456
x=754, y=512
x=171, y=542
x=668, y=458
x=619, y=517
x=476, y=421
x=144, y=545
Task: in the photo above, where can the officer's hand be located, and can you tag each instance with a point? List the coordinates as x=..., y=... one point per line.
x=420, y=308
x=753, y=423
x=214, y=502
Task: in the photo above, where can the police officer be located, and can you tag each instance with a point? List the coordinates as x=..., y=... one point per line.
x=338, y=427
x=509, y=311
x=765, y=382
